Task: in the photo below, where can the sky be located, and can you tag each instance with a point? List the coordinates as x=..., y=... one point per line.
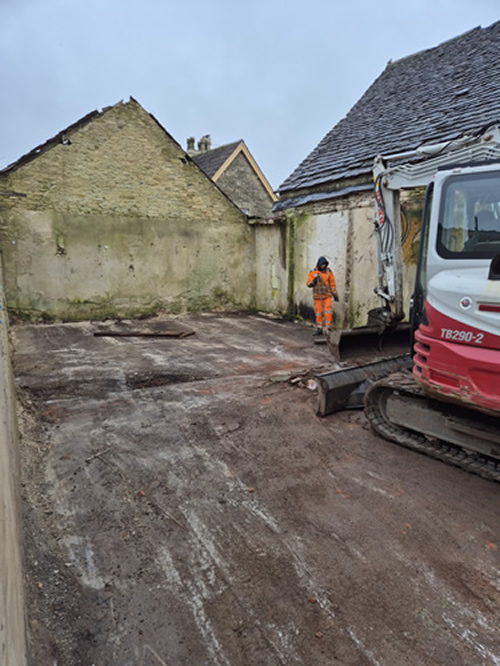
x=278, y=74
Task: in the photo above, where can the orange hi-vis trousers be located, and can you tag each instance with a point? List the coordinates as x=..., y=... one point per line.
x=323, y=307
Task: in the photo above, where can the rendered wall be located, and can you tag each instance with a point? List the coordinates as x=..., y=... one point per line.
x=272, y=263
x=12, y=620
x=116, y=220
x=318, y=234
x=342, y=230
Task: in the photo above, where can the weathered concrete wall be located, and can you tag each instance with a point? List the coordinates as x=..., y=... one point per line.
x=342, y=230
x=319, y=234
x=244, y=188
x=362, y=274
x=90, y=266
x=115, y=220
x=272, y=263
x=12, y=620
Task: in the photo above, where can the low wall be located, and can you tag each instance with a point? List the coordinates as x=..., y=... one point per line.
x=12, y=618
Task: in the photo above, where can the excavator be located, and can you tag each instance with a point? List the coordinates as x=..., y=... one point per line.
x=442, y=396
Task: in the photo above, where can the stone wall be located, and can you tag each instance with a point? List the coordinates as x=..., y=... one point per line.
x=240, y=181
x=114, y=220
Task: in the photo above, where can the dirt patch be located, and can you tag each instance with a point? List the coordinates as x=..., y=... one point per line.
x=192, y=509
x=147, y=380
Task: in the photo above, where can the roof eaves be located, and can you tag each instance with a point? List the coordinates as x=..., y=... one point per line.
x=330, y=179
x=314, y=197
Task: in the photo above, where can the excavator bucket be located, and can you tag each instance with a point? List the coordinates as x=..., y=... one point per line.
x=345, y=389
x=358, y=343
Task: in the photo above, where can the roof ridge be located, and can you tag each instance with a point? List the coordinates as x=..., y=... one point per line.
x=446, y=41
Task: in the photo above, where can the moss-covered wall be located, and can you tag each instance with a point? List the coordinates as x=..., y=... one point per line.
x=116, y=220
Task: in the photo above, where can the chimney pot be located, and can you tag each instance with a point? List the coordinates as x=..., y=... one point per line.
x=204, y=143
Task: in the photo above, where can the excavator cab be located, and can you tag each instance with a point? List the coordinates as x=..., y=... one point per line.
x=457, y=321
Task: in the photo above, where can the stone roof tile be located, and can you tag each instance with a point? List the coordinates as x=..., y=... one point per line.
x=434, y=95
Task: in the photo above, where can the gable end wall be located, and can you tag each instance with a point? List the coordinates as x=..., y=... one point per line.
x=119, y=221
x=241, y=183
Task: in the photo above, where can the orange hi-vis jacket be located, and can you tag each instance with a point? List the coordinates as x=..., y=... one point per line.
x=325, y=284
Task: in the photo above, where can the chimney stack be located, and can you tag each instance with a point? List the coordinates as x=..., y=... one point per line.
x=204, y=143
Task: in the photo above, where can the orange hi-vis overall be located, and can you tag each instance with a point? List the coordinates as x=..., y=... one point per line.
x=323, y=290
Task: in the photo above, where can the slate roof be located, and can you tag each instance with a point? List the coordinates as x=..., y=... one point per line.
x=214, y=163
x=212, y=160
x=435, y=95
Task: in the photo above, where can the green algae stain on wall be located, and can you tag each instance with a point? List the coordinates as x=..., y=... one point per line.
x=357, y=315
x=296, y=225
x=108, y=224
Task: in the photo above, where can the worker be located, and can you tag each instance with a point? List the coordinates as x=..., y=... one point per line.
x=321, y=280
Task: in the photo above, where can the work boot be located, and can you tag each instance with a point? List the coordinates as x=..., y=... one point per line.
x=318, y=331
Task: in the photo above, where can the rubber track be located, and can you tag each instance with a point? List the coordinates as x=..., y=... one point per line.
x=403, y=384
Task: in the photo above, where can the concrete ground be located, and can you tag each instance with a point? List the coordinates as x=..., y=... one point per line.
x=184, y=505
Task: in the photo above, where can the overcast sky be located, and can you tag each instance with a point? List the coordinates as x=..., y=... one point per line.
x=277, y=73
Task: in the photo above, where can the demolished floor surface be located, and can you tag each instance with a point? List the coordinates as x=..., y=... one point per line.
x=184, y=505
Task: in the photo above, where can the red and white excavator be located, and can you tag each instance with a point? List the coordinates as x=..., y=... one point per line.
x=444, y=398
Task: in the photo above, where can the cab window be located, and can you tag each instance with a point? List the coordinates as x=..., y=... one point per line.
x=469, y=216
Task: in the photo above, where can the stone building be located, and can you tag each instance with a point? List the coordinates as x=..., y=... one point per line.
x=111, y=217
x=431, y=97
x=237, y=173
x=233, y=168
